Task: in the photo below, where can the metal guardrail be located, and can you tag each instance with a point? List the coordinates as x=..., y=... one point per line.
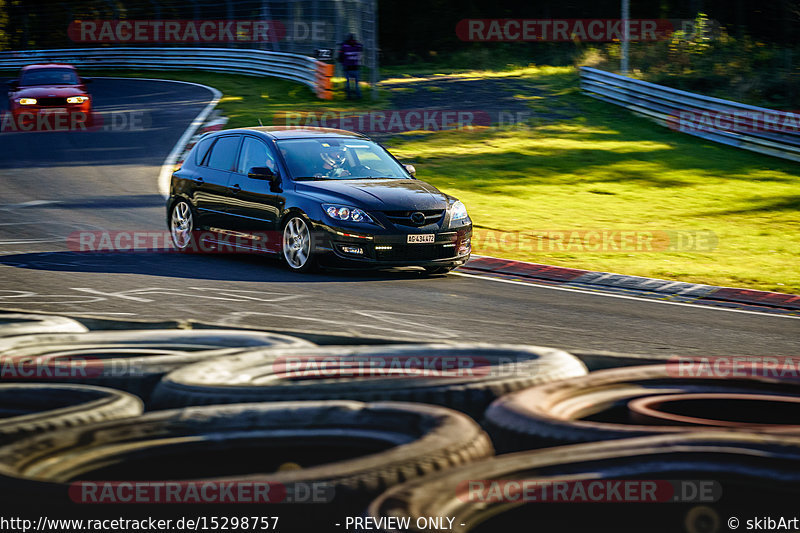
x=294, y=67
x=664, y=105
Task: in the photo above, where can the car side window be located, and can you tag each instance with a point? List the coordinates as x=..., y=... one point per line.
x=202, y=149
x=255, y=154
x=223, y=153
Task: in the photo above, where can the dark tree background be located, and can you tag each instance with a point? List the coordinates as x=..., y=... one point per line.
x=420, y=26
x=406, y=27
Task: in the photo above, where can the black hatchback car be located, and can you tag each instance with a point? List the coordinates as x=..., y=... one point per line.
x=313, y=196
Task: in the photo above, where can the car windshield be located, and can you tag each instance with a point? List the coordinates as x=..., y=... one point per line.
x=339, y=159
x=49, y=76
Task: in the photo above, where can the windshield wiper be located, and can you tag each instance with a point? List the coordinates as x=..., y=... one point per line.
x=311, y=178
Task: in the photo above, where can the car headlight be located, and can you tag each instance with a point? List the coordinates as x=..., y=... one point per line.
x=458, y=211
x=343, y=212
x=77, y=99
x=27, y=101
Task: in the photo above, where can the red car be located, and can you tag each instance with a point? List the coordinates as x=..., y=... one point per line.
x=49, y=96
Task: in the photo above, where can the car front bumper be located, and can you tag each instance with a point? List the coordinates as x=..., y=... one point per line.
x=450, y=247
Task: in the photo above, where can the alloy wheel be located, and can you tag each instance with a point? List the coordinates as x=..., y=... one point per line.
x=296, y=244
x=181, y=225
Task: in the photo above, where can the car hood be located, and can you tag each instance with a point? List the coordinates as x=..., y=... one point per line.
x=43, y=91
x=384, y=194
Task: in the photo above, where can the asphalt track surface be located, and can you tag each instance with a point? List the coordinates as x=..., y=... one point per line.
x=57, y=183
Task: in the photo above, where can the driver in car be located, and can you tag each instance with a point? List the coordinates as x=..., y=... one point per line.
x=333, y=163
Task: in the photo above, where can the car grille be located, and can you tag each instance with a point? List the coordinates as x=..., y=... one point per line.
x=51, y=102
x=416, y=252
x=403, y=218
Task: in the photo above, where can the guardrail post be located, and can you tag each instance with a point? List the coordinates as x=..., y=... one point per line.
x=626, y=36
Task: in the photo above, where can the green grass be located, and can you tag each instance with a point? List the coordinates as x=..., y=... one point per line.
x=607, y=169
x=248, y=99
x=598, y=168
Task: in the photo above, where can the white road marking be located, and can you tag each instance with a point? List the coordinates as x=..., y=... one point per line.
x=351, y=324
x=169, y=163
x=115, y=294
x=30, y=203
x=622, y=296
x=29, y=241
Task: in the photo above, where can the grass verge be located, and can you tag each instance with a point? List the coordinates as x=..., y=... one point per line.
x=606, y=169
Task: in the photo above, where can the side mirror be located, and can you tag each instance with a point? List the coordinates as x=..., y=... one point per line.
x=264, y=173
x=411, y=169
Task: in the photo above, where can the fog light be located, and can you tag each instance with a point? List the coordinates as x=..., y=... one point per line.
x=352, y=250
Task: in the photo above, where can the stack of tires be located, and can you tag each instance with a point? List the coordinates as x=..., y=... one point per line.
x=323, y=430
x=456, y=437
x=715, y=440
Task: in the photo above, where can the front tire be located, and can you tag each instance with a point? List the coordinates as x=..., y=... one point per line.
x=297, y=245
x=181, y=225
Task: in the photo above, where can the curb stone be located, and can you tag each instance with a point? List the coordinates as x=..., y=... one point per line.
x=683, y=291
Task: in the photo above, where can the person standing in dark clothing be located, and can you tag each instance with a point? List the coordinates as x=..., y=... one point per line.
x=350, y=58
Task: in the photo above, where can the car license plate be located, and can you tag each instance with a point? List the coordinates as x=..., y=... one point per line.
x=420, y=238
x=53, y=110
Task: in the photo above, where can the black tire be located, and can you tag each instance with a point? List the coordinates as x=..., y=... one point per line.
x=31, y=408
x=26, y=324
x=351, y=451
x=746, y=475
x=303, y=244
x=489, y=372
x=129, y=360
x=602, y=360
x=594, y=407
x=438, y=271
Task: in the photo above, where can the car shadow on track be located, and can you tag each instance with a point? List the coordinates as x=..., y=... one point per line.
x=221, y=267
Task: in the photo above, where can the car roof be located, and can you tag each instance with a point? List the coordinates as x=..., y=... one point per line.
x=290, y=132
x=47, y=65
